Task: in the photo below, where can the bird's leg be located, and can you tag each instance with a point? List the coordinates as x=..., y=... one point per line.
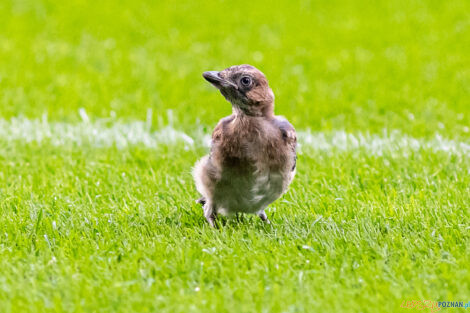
x=209, y=213
x=264, y=217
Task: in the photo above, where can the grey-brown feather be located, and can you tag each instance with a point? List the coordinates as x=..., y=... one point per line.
x=251, y=164
x=253, y=152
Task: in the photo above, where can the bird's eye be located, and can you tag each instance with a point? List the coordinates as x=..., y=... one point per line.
x=246, y=81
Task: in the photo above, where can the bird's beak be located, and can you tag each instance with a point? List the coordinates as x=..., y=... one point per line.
x=214, y=78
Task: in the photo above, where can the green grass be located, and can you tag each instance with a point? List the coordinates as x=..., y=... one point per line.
x=93, y=227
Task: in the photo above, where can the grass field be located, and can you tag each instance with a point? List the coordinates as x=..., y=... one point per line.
x=103, y=112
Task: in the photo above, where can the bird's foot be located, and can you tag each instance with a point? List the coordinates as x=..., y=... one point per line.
x=211, y=220
x=264, y=217
x=210, y=214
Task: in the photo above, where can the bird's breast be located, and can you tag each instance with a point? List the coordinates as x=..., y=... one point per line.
x=251, y=152
x=249, y=189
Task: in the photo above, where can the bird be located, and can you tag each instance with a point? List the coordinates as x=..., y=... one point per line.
x=252, y=158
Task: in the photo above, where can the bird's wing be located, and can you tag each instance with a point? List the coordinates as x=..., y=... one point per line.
x=218, y=132
x=219, y=128
x=288, y=135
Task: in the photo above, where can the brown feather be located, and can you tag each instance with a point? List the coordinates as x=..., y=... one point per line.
x=253, y=152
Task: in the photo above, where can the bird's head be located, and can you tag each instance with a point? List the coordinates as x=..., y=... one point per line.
x=246, y=88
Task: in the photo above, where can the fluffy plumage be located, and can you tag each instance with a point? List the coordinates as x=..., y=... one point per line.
x=253, y=153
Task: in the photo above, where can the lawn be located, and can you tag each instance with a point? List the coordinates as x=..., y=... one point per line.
x=103, y=112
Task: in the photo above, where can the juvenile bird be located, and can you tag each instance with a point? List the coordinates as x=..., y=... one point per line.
x=253, y=152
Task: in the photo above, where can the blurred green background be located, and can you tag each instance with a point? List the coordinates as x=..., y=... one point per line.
x=354, y=65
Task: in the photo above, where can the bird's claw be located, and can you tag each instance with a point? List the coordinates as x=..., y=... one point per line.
x=264, y=217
